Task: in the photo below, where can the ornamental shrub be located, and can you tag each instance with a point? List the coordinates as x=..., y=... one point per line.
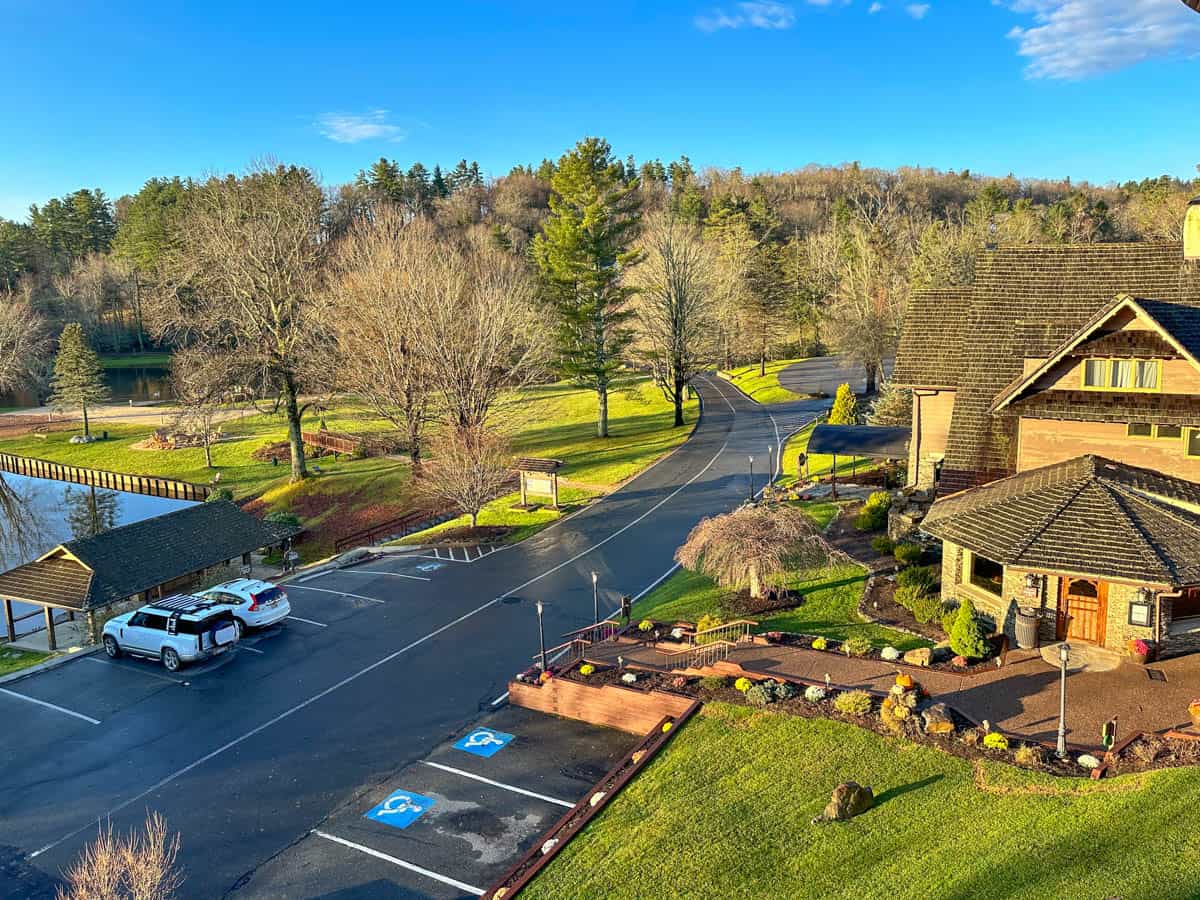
x=820, y=643
x=760, y=694
x=908, y=553
x=856, y=646
x=645, y=625
x=853, y=703
x=782, y=690
x=948, y=618
x=925, y=606
x=883, y=545
x=967, y=637
x=994, y=740
x=889, y=654
x=743, y=684
x=1029, y=755
x=845, y=407
x=873, y=515
x=586, y=669
x=814, y=693
x=714, y=682
x=924, y=577
x=707, y=621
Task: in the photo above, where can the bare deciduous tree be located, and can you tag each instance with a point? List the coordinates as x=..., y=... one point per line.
x=137, y=866
x=749, y=545
x=246, y=281
x=676, y=305
x=203, y=383
x=385, y=272
x=23, y=343
x=470, y=467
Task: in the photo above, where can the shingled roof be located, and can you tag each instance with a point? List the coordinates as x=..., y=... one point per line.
x=96, y=571
x=930, y=352
x=1028, y=302
x=1088, y=515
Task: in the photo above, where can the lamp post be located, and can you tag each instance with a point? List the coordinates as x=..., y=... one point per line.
x=752, y=479
x=595, y=600
x=1064, y=655
x=770, y=463
x=541, y=633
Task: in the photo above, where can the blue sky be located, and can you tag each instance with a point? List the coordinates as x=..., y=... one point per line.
x=109, y=94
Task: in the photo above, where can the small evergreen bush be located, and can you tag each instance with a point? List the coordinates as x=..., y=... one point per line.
x=820, y=643
x=925, y=577
x=760, y=694
x=873, y=515
x=856, y=646
x=782, y=690
x=853, y=703
x=907, y=553
x=966, y=637
x=883, y=545
x=845, y=407
x=994, y=740
x=707, y=621
x=814, y=693
x=889, y=654
x=714, y=682
x=743, y=684
x=948, y=617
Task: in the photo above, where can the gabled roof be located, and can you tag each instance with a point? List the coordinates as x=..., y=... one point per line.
x=96, y=571
x=1088, y=515
x=930, y=351
x=1185, y=318
x=1028, y=302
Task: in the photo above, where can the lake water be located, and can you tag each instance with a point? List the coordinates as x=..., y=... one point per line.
x=135, y=383
x=37, y=514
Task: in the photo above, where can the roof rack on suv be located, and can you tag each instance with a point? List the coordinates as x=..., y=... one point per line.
x=186, y=604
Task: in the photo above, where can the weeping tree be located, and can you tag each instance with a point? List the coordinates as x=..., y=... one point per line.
x=746, y=547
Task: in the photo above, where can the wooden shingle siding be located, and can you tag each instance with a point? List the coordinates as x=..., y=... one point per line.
x=930, y=351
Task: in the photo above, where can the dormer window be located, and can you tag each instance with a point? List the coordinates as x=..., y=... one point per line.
x=1121, y=374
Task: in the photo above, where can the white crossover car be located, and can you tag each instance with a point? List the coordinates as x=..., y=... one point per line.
x=254, y=603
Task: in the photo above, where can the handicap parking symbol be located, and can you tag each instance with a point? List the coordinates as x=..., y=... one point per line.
x=400, y=809
x=484, y=742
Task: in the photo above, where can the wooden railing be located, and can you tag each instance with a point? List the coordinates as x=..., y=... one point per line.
x=375, y=444
x=115, y=481
x=600, y=631
x=696, y=657
x=737, y=630
x=571, y=652
x=393, y=528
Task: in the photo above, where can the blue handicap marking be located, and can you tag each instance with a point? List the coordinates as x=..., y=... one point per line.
x=400, y=809
x=484, y=742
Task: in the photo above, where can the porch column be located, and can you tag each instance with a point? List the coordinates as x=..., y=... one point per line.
x=8, y=620
x=51, y=642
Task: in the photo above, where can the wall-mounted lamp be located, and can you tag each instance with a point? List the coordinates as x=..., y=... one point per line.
x=1033, y=585
x=1140, y=608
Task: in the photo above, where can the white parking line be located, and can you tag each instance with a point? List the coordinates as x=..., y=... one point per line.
x=381, y=572
x=136, y=669
x=305, y=587
x=499, y=784
x=444, y=879
x=500, y=699
x=249, y=649
x=309, y=622
x=61, y=709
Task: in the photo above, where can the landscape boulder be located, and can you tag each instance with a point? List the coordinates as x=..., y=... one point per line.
x=922, y=656
x=849, y=800
x=938, y=720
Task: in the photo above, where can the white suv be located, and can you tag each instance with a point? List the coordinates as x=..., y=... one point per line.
x=254, y=603
x=177, y=630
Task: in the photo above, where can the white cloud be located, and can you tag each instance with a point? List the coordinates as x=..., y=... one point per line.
x=1074, y=39
x=765, y=14
x=874, y=8
x=917, y=10
x=351, y=128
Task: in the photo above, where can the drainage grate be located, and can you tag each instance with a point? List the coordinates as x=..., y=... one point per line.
x=1156, y=675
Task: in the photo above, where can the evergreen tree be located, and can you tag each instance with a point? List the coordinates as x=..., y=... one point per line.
x=440, y=188
x=845, y=407
x=385, y=180
x=78, y=378
x=459, y=177
x=966, y=635
x=582, y=253
x=545, y=171
x=476, y=177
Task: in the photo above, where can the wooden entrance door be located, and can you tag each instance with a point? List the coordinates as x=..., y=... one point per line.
x=1082, y=610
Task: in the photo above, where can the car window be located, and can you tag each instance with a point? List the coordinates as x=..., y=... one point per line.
x=271, y=593
x=137, y=620
x=153, y=620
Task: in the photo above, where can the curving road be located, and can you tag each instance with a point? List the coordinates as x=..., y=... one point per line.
x=380, y=664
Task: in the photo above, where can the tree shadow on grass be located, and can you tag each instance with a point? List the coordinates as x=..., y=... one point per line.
x=901, y=790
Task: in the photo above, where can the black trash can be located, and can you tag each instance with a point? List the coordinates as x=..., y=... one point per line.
x=1027, y=627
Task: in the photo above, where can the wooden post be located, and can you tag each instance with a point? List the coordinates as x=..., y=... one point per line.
x=524, y=499
x=51, y=642
x=8, y=620
x=554, y=487
x=833, y=477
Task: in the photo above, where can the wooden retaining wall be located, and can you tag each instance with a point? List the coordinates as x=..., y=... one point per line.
x=613, y=707
x=116, y=481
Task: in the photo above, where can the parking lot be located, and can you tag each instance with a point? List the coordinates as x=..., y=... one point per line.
x=451, y=823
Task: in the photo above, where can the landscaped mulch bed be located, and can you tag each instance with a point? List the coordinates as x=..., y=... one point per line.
x=879, y=605
x=1154, y=751
x=465, y=534
x=805, y=641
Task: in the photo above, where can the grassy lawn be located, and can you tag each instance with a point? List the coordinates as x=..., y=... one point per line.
x=763, y=388
x=136, y=361
x=818, y=463
x=725, y=810
x=830, y=607
x=13, y=659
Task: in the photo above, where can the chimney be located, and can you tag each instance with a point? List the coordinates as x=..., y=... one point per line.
x=1191, y=230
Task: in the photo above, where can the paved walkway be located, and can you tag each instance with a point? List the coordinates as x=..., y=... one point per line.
x=1020, y=698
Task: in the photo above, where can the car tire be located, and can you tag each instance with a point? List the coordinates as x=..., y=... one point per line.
x=241, y=628
x=111, y=647
x=170, y=660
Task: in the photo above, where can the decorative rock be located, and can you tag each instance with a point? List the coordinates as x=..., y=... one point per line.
x=629, y=678
x=922, y=656
x=549, y=845
x=677, y=633
x=1088, y=761
x=960, y=661
x=891, y=654
x=937, y=719
x=849, y=800
x=597, y=797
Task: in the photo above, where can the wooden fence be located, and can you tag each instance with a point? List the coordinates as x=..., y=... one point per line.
x=115, y=481
x=377, y=444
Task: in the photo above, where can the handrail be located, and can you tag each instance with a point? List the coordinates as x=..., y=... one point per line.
x=397, y=527
x=596, y=632
x=590, y=627
x=574, y=644
x=738, y=629
x=701, y=654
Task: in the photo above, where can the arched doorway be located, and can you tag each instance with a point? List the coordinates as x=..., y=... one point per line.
x=1082, y=610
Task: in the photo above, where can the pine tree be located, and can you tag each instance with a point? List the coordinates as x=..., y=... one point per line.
x=582, y=253
x=440, y=188
x=78, y=378
x=845, y=407
x=966, y=635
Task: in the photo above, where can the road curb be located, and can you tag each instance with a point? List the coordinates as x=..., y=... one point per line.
x=52, y=663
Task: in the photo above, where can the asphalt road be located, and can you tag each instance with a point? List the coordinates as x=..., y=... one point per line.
x=379, y=665
x=824, y=374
